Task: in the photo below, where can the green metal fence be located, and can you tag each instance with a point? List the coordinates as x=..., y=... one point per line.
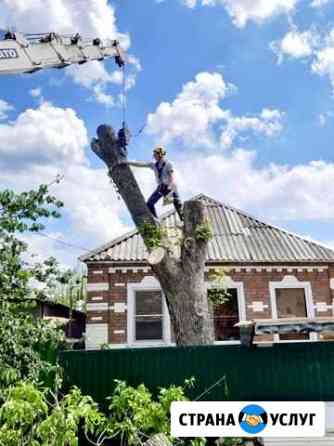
x=303, y=371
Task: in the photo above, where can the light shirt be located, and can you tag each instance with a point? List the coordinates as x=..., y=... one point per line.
x=163, y=171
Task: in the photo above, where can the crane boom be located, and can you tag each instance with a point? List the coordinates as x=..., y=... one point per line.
x=29, y=53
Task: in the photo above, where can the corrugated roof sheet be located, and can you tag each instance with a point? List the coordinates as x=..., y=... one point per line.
x=237, y=238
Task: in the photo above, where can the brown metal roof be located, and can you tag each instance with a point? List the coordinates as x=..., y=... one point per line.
x=237, y=238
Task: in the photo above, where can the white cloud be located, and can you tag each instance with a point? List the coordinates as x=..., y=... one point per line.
x=44, y=135
x=296, y=44
x=323, y=60
x=91, y=18
x=41, y=247
x=323, y=64
x=192, y=116
x=133, y=60
x=190, y=3
x=275, y=192
x=316, y=47
x=96, y=78
x=89, y=74
x=35, y=92
x=268, y=123
x=102, y=97
x=256, y=10
x=322, y=120
x=329, y=244
x=92, y=203
x=91, y=209
x=4, y=109
x=49, y=140
x=243, y=11
x=319, y=3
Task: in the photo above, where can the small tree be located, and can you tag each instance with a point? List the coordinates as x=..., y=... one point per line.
x=22, y=337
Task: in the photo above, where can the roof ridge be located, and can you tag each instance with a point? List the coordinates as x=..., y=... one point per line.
x=202, y=196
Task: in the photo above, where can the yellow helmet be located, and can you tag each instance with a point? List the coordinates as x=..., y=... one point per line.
x=160, y=151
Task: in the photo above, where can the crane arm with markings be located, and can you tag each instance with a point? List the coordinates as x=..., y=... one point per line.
x=20, y=53
x=28, y=53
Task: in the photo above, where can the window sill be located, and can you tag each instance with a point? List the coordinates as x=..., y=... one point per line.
x=142, y=344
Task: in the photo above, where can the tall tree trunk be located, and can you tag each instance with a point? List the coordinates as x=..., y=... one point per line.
x=182, y=279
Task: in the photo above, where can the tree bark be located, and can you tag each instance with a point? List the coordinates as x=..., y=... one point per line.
x=181, y=279
x=158, y=440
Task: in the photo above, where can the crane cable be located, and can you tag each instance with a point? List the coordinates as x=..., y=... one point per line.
x=124, y=104
x=124, y=96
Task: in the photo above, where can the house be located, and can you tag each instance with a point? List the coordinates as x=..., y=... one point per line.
x=74, y=325
x=271, y=274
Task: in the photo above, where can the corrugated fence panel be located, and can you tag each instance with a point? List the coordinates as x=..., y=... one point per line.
x=301, y=371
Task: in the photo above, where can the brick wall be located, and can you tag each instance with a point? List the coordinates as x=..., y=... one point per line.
x=116, y=297
x=107, y=293
x=256, y=285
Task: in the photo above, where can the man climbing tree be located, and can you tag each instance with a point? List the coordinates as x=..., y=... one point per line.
x=164, y=174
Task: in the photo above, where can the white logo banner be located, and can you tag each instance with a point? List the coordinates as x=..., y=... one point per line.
x=247, y=419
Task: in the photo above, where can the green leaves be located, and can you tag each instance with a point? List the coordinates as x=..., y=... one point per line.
x=22, y=336
x=217, y=291
x=18, y=212
x=135, y=415
x=31, y=416
x=152, y=234
x=22, y=339
x=203, y=232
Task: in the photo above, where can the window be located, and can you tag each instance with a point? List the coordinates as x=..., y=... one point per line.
x=291, y=298
x=226, y=316
x=148, y=316
x=291, y=303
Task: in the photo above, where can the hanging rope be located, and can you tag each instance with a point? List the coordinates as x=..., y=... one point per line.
x=124, y=96
x=125, y=134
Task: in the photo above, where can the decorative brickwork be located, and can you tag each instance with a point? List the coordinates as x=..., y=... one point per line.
x=108, y=286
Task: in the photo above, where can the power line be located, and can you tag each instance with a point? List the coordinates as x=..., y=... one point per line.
x=57, y=179
x=62, y=242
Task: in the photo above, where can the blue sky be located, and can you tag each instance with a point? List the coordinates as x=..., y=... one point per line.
x=239, y=92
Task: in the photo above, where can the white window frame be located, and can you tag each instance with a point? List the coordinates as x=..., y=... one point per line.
x=149, y=283
x=239, y=286
x=292, y=282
